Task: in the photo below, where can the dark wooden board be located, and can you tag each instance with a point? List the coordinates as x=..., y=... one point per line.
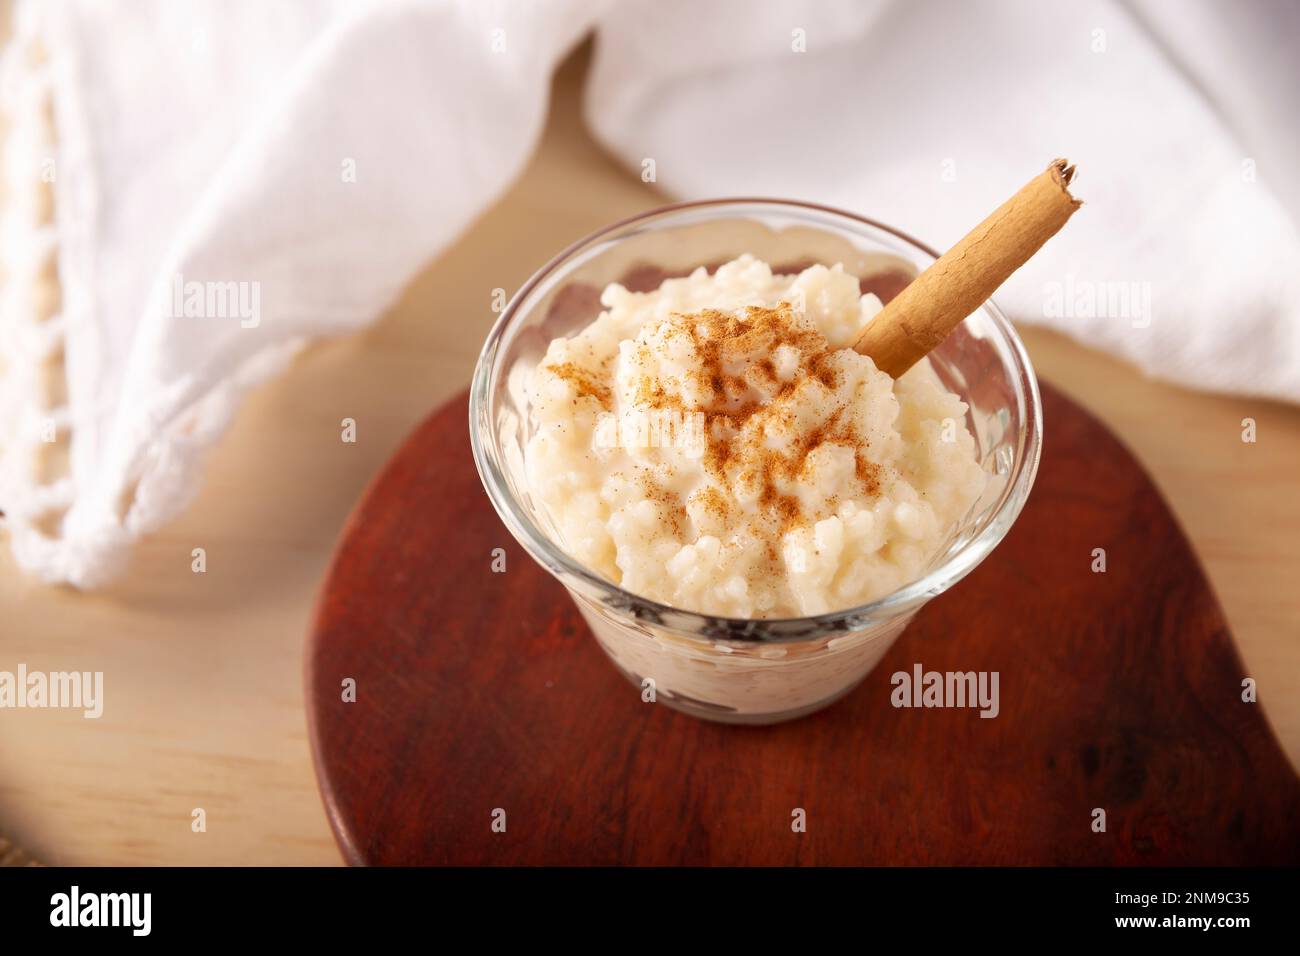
x=479, y=690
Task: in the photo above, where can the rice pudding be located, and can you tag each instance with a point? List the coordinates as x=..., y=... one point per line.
x=716, y=445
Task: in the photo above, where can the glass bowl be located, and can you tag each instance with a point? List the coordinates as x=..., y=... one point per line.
x=725, y=669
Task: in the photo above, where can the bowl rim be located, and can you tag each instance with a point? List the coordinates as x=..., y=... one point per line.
x=709, y=627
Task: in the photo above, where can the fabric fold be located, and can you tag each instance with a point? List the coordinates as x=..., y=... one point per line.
x=223, y=182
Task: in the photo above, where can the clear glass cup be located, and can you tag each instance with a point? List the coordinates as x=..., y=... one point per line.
x=723, y=669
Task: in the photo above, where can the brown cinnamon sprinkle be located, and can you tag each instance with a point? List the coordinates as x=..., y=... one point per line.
x=670, y=503
x=583, y=381
x=712, y=501
x=735, y=352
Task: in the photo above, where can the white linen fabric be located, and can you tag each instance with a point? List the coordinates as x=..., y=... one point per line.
x=233, y=178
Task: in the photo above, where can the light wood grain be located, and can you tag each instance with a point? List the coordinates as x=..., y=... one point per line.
x=203, y=673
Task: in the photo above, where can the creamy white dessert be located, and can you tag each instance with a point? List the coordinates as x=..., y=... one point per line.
x=716, y=445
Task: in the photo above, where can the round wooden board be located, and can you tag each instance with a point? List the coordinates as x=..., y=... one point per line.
x=479, y=691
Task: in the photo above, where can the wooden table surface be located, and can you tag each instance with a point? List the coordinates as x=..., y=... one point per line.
x=203, y=672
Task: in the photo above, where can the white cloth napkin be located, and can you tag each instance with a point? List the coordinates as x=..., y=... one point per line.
x=297, y=162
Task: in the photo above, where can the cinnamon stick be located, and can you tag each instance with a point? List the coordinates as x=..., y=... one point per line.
x=963, y=278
